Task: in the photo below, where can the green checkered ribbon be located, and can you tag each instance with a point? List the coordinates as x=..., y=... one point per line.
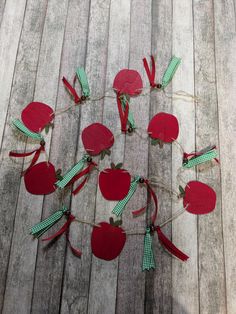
x=170, y=71
x=124, y=100
x=212, y=154
x=23, y=129
x=82, y=77
x=148, y=256
x=40, y=228
x=118, y=209
x=72, y=172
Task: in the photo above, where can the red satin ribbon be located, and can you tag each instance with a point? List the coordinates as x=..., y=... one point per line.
x=71, y=90
x=170, y=246
x=123, y=113
x=65, y=228
x=86, y=171
x=36, y=153
x=150, y=72
x=152, y=195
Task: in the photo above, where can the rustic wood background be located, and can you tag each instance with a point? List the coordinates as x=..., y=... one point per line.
x=40, y=41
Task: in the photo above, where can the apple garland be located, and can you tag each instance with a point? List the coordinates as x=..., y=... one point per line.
x=115, y=183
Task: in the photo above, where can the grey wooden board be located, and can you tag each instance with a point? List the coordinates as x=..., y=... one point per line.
x=41, y=41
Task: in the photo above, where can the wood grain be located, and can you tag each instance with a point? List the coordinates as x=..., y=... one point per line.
x=185, y=296
x=210, y=240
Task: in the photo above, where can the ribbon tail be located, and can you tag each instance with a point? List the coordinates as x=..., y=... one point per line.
x=169, y=246
x=82, y=77
x=154, y=197
x=71, y=90
x=123, y=113
x=74, y=250
x=170, y=71
x=34, y=160
x=40, y=228
x=150, y=73
x=148, y=255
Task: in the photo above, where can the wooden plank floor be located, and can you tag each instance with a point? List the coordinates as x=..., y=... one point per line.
x=42, y=41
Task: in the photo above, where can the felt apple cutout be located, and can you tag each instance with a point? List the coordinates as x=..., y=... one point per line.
x=41, y=178
x=114, y=182
x=163, y=128
x=198, y=198
x=128, y=82
x=36, y=116
x=97, y=139
x=108, y=240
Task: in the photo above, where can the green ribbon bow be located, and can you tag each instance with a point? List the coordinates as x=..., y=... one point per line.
x=170, y=71
x=82, y=77
x=148, y=256
x=23, y=129
x=212, y=154
x=124, y=100
x=40, y=228
x=118, y=209
x=71, y=173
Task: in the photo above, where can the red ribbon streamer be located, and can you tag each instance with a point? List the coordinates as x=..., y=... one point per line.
x=71, y=90
x=123, y=113
x=65, y=228
x=170, y=246
x=152, y=195
x=150, y=72
x=36, y=153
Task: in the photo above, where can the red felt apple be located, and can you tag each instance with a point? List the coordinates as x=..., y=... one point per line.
x=163, y=127
x=97, y=138
x=36, y=116
x=41, y=178
x=114, y=183
x=107, y=240
x=128, y=82
x=200, y=198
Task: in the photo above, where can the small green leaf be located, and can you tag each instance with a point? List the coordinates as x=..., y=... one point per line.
x=47, y=128
x=119, y=166
x=154, y=141
x=103, y=154
x=181, y=189
x=117, y=223
x=107, y=152
x=113, y=166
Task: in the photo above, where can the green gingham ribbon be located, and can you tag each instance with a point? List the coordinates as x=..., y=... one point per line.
x=82, y=77
x=124, y=100
x=148, y=256
x=40, y=228
x=22, y=128
x=71, y=173
x=118, y=209
x=170, y=71
x=212, y=154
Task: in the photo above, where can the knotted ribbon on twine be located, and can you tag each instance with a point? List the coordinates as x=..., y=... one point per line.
x=148, y=255
x=124, y=101
x=36, y=153
x=82, y=77
x=23, y=129
x=168, y=75
x=76, y=173
x=41, y=227
x=196, y=158
x=118, y=209
x=65, y=229
x=71, y=90
x=123, y=108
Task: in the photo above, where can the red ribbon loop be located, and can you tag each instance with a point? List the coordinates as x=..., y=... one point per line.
x=150, y=72
x=71, y=90
x=36, y=153
x=169, y=246
x=152, y=195
x=123, y=113
x=86, y=172
x=65, y=229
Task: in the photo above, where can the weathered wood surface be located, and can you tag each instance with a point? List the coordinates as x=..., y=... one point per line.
x=41, y=41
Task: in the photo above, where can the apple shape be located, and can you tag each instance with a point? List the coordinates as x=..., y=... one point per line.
x=41, y=178
x=128, y=82
x=36, y=116
x=114, y=183
x=200, y=198
x=163, y=127
x=107, y=241
x=97, y=138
